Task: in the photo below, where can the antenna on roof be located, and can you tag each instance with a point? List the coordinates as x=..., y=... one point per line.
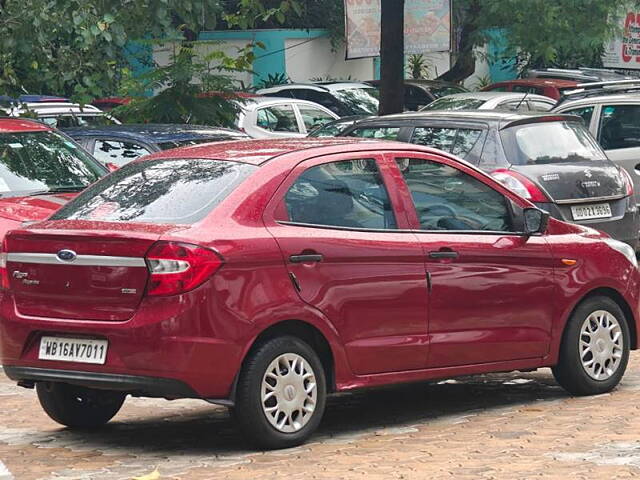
x=522, y=100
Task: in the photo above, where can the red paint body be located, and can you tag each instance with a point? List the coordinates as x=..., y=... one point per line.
x=549, y=87
x=501, y=305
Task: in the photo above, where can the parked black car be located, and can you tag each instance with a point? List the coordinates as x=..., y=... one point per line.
x=120, y=144
x=550, y=159
x=419, y=93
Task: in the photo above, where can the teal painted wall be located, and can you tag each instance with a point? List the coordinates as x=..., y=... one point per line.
x=270, y=57
x=501, y=68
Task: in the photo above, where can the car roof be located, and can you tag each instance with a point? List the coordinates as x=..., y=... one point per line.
x=259, y=151
x=503, y=119
x=493, y=95
x=19, y=125
x=320, y=86
x=538, y=82
x=421, y=82
x=622, y=97
x=155, y=133
x=55, y=108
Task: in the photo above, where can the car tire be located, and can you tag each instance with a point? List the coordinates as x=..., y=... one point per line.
x=78, y=407
x=280, y=394
x=595, y=348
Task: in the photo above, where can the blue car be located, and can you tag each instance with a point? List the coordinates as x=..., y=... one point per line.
x=116, y=145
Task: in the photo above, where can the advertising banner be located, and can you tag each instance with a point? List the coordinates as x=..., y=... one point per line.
x=624, y=51
x=427, y=27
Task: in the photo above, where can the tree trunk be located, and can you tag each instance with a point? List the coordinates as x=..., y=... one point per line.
x=465, y=64
x=391, y=57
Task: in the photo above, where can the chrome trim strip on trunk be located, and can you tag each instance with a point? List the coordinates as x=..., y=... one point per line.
x=589, y=200
x=80, y=260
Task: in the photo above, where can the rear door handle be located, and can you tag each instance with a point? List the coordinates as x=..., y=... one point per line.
x=308, y=258
x=443, y=254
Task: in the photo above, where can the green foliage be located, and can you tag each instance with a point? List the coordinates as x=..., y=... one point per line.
x=76, y=48
x=273, y=80
x=417, y=66
x=483, y=82
x=543, y=33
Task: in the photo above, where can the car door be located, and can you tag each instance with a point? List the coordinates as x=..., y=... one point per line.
x=343, y=236
x=491, y=288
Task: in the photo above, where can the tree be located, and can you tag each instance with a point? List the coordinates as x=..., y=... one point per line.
x=81, y=49
x=540, y=33
x=391, y=57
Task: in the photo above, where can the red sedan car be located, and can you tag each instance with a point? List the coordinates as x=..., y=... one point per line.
x=264, y=275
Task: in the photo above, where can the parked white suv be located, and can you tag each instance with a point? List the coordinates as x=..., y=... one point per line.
x=273, y=117
x=61, y=114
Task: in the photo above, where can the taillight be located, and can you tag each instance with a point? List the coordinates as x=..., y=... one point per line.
x=520, y=184
x=179, y=267
x=628, y=181
x=4, y=274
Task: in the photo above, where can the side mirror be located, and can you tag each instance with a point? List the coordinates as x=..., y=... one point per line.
x=535, y=221
x=112, y=167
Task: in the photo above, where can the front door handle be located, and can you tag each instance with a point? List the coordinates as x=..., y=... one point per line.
x=443, y=254
x=306, y=258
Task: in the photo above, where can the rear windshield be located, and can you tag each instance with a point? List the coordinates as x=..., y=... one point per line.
x=454, y=103
x=447, y=90
x=158, y=191
x=77, y=120
x=42, y=162
x=196, y=141
x=550, y=142
x=360, y=101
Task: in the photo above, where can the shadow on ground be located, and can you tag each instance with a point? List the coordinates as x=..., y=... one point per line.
x=209, y=430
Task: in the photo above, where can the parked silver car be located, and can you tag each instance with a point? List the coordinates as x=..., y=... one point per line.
x=614, y=119
x=273, y=117
x=505, y=101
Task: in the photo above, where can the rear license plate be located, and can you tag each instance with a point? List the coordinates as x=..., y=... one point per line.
x=81, y=350
x=586, y=212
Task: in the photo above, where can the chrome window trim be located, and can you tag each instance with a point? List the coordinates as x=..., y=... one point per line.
x=80, y=260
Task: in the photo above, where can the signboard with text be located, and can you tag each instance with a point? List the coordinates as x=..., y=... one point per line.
x=624, y=51
x=427, y=27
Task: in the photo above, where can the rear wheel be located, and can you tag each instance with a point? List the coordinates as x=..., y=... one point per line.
x=281, y=393
x=595, y=348
x=79, y=407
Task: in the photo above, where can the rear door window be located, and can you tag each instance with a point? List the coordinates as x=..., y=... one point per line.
x=459, y=141
x=585, y=112
x=619, y=127
x=379, y=133
x=348, y=193
x=159, y=191
x=117, y=152
x=278, y=118
x=313, y=117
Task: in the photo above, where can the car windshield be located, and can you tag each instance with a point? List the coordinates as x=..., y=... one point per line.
x=454, y=103
x=563, y=142
x=43, y=162
x=446, y=90
x=361, y=101
x=180, y=191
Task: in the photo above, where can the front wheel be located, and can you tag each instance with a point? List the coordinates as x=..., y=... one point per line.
x=281, y=393
x=76, y=406
x=595, y=348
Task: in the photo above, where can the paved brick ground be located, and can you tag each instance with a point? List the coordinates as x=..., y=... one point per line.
x=507, y=426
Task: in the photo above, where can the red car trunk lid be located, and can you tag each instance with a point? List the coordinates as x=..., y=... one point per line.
x=96, y=274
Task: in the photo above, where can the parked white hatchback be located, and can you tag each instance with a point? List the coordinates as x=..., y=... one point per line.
x=63, y=114
x=274, y=117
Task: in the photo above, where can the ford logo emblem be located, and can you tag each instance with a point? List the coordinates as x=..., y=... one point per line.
x=67, y=255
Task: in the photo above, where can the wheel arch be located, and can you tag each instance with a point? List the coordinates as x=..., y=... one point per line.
x=614, y=295
x=303, y=330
